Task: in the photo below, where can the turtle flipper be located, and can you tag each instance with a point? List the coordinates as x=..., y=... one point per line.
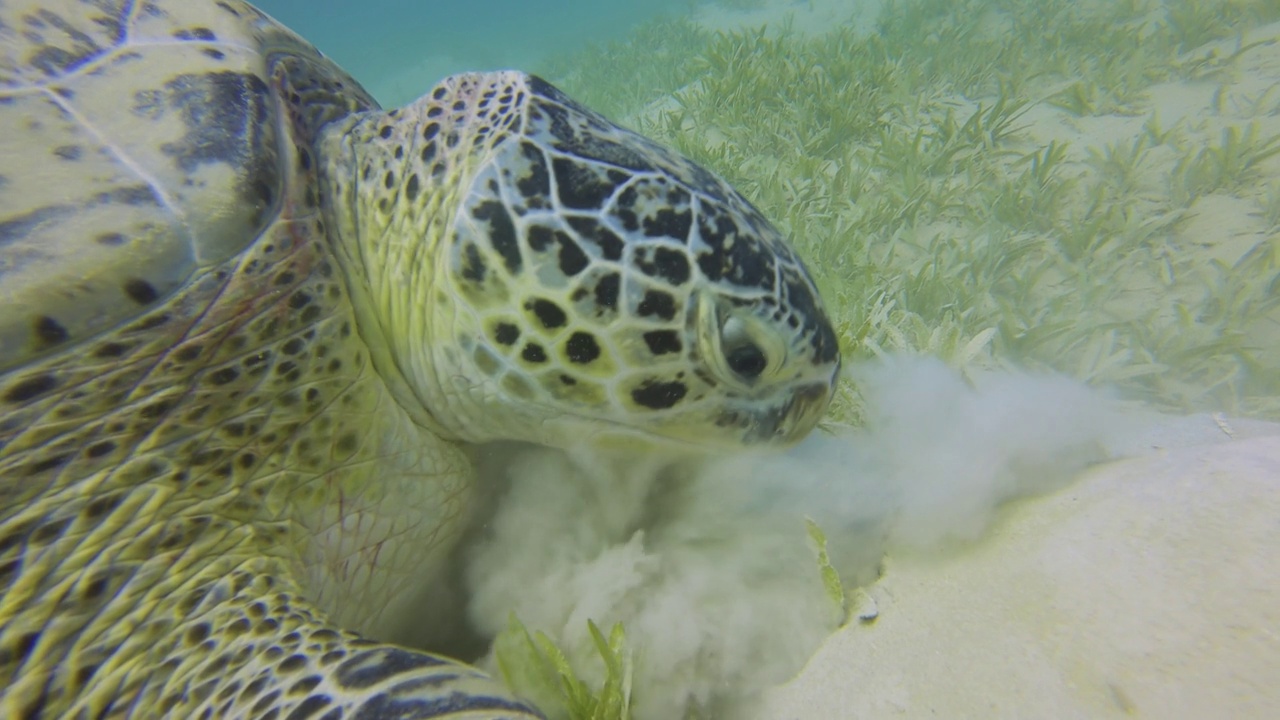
x=383, y=681
x=252, y=650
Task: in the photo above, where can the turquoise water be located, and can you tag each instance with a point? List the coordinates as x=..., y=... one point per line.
x=379, y=39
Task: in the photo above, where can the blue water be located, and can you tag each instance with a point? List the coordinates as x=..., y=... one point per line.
x=373, y=39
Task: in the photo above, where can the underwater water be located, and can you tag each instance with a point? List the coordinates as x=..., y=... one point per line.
x=1046, y=231
x=400, y=48
x=1085, y=189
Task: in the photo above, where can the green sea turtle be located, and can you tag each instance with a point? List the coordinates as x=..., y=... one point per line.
x=252, y=323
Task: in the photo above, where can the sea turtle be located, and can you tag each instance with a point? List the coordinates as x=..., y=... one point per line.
x=253, y=323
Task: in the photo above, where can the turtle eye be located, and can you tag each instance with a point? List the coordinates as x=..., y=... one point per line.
x=747, y=360
x=742, y=354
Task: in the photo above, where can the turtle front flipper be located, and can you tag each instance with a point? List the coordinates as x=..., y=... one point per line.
x=251, y=649
x=247, y=646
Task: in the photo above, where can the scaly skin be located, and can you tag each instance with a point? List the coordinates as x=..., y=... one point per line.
x=251, y=320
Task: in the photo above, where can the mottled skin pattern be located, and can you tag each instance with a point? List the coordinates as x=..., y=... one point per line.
x=251, y=321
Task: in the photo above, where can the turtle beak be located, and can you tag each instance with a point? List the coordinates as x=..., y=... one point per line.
x=797, y=417
x=785, y=424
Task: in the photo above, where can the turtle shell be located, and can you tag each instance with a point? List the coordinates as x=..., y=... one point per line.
x=143, y=144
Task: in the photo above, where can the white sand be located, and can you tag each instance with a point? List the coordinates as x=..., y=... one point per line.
x=1148, y=589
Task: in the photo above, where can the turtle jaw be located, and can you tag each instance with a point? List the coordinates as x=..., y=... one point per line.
x=746, y=425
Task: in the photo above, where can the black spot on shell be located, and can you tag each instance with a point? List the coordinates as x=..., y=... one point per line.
x=226, y=117
x=582, y=348
x=22, y=225
x=53, y=60
x=222, y=111
x=412, y=187
x=658, y=395
x=214, y=53
x=140, y=291
x=534, y=353
x=112, y=239
x=134, y=195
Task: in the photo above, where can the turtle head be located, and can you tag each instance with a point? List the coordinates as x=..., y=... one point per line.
x=563, y=278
